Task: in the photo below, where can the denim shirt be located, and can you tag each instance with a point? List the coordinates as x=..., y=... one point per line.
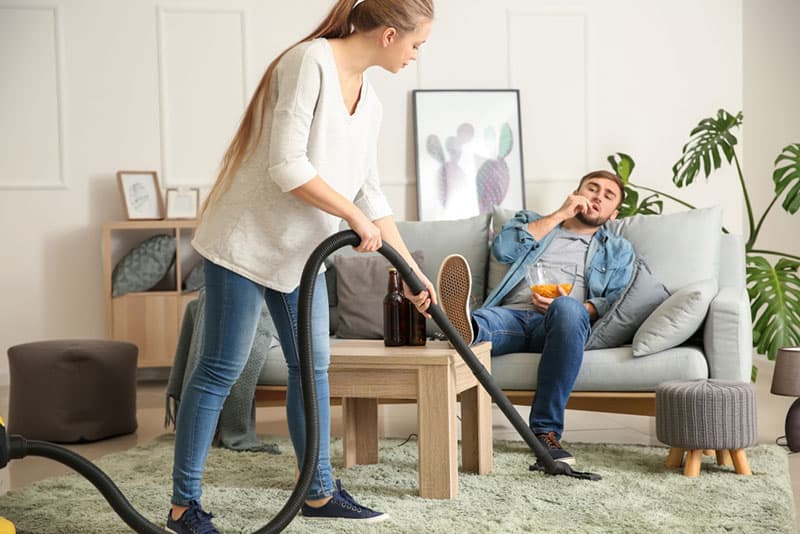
x=609, y=261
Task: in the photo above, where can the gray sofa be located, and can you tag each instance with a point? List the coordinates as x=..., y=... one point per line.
x=702, y=331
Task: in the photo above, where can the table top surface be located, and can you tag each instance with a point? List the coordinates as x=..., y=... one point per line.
x=373, y=351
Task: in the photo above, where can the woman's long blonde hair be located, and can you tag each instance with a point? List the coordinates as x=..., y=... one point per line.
x=341, y=21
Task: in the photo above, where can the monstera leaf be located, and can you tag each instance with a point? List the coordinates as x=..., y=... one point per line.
x=774, y=304
x=623, y=166
x=650, y=205
x=710, y=137
x=788, y=176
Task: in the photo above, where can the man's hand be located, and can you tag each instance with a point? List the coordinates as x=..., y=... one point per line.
x=573, y=205
x=541, y=303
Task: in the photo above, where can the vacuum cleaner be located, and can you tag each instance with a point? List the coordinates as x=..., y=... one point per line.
x=14, y=446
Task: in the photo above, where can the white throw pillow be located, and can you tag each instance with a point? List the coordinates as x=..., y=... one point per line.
x=676, y=319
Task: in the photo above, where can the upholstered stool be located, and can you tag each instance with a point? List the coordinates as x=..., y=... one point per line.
x=72, y=390
x=699, y=417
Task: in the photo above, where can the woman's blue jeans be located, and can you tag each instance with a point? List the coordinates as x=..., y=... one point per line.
x=559, y=335
x=232, y=310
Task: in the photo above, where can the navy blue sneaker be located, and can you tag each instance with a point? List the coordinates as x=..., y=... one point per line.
x=557, y=452
x=193, y=521
x=343, y=506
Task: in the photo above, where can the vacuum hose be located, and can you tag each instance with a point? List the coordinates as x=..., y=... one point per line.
x=15, y=446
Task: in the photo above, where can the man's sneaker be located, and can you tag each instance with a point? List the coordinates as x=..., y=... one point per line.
x=343, y=506
x=454, y=284
x=557, y=452
x=193, y=521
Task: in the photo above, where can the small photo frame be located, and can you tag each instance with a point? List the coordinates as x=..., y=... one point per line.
x=141, y=194
x=182, y=203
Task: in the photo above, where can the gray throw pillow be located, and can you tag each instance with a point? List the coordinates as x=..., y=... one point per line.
x=643, y=294
x=144, y=265
x=676, y=319
x=196, y=278
x=361, y=283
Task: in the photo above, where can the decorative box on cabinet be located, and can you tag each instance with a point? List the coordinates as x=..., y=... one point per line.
x=149, y=319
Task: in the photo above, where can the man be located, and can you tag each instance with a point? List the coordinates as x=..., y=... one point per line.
x=516, y=320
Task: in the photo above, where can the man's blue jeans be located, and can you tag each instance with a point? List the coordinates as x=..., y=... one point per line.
x=232, y=310
x=559, y=335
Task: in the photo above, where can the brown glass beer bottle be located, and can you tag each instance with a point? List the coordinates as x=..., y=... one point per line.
x=395, y=312
x=416, y=326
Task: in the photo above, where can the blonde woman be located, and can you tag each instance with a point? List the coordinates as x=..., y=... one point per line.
x=304, y=157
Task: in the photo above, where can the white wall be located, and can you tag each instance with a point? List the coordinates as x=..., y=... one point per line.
x=90, y=87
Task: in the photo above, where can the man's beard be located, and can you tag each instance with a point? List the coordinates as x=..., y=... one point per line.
x=594, y=221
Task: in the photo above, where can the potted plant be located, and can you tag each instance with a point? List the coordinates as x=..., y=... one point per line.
x=773, y=289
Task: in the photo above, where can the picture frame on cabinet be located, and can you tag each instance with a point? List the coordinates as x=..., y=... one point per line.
x=182, y=203
x=141, y=195
x=468, y=152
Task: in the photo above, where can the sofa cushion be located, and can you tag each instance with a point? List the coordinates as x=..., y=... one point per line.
x=361, y=283
x=642, y=295
x=680, y=248
x=144, y=265
x=676, y=319
x=607, y=369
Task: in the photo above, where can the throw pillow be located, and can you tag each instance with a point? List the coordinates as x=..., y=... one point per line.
x=676, y=319
x=680, y=248
x=144, y=265
x=195, y=279
x=361, y=282
x=618, y=325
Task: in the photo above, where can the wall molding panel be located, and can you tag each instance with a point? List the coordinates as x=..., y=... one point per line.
x=202, y=67
x=553, y=90
x=32, y=99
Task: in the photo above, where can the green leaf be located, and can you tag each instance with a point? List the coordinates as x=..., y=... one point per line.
x=706, y=140
x=774, y=303
x=786, y=175
x=623, y=165
x=650, y=205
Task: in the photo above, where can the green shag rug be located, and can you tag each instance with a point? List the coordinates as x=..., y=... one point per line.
x=245, y=490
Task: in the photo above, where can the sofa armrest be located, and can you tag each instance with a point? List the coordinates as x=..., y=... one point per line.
x=728, y=335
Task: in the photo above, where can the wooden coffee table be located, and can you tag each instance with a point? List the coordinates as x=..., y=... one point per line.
x=364, y=371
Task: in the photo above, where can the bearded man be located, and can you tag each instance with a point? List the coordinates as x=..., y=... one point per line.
x=515, y=319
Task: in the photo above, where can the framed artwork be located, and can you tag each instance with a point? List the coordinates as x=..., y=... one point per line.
x=469, y=152
x=182, y=203
x=141, y=194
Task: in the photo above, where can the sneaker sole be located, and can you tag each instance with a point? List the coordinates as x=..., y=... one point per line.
x=376, y=519
x=454, y=284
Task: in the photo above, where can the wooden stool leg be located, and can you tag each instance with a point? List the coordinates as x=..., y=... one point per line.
x=724, y=457
x=740, y=462
x=708, y=452
x=675, y=458
x=693, y=460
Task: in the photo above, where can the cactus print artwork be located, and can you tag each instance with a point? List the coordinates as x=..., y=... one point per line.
x=493, y=176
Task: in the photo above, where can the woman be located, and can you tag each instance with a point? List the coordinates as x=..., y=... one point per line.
x=304, y=157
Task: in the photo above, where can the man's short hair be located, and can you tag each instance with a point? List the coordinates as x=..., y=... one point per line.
x=608, y=176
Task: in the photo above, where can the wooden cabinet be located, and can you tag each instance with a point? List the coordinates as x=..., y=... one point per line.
x=149, y=319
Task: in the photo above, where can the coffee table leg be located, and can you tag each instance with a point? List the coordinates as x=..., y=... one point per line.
x=360, y=431
x=476, y=431
x=438, y=447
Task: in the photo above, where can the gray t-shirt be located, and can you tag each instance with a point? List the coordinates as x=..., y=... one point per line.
x=566, y=247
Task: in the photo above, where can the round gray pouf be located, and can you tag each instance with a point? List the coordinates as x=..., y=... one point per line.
x=72, y=390
x=706, y=415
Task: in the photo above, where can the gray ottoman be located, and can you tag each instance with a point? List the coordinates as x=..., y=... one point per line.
x=706, y=416
x=72, y=390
